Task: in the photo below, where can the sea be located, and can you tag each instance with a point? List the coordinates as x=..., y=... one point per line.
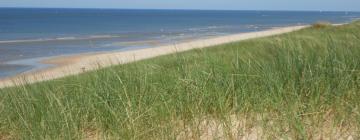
x=29, y=35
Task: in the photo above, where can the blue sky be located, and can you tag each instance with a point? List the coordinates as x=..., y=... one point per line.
x=325, y=5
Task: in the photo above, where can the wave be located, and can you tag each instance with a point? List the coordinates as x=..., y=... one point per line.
x=60, y=39
x=162, y=34
x=207, y=28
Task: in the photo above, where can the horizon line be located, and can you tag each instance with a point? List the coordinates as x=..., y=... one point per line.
x=190, y=9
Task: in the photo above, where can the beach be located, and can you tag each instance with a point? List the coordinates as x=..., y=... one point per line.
x=76, y=64
x=24, y=43
x=291, y=82
x=149, y=70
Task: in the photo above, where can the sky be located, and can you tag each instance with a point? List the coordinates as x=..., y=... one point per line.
x=324, y=5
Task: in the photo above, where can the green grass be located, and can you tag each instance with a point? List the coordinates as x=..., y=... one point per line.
x=301, y=85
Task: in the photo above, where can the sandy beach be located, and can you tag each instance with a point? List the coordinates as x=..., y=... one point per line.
x=71, y=65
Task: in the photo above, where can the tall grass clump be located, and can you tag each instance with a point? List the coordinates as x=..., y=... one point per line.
x=321, y=24
x=300, y=85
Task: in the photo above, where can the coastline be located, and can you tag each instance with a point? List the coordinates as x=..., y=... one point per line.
x=76, y=64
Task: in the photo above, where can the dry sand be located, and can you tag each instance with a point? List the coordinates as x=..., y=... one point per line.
x=76, y=64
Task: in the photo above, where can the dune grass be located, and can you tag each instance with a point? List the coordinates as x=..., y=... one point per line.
x=300, y=85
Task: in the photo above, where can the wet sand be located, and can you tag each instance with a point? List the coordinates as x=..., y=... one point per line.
x=72, y=65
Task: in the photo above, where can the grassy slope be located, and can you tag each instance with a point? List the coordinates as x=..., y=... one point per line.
x=293, y=85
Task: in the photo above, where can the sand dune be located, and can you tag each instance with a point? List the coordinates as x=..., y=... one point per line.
x=76, y=64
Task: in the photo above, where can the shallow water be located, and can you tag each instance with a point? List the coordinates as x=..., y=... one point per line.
x=28, y=35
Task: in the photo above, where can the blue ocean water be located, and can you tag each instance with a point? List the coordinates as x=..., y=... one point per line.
x=29, y=34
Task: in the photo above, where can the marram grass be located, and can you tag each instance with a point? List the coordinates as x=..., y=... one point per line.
x=300, y=85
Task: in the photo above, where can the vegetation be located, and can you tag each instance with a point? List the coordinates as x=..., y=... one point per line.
x=300, y=85
x=321, y=24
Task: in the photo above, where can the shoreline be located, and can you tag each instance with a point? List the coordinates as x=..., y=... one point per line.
x=76, y=64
